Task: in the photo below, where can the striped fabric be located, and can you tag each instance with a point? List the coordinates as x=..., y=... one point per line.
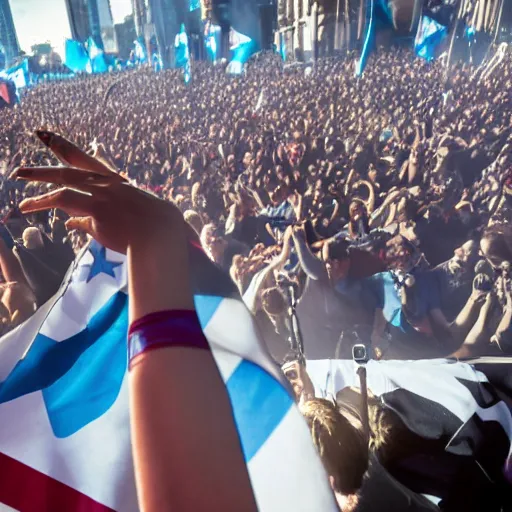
x=64, y=438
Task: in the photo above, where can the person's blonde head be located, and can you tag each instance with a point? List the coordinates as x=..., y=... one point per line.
x=194, y=219
x=32, y=238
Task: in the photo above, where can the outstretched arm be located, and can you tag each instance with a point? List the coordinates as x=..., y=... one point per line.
x=261, y=280
x=478, y=334
x=176, y=389
x=312, y=266
x=503, y=333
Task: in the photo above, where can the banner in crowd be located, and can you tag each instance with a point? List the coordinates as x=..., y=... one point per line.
x=430, y=34
x=76, y=57
x=243, y=47
x=183, y=53
x=65, y=434
x=212, y=35
x=18, y=75
x=88, y=58
x=97, y=62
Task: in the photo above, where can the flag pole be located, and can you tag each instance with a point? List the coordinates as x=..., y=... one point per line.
x=454, y=32
x=362, y=10
x=498, y=23
x=418, y=9
x=337, y=23
x=347, y=25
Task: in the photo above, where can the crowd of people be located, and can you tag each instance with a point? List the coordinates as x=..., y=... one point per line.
x=348, y=210
x=375, y=201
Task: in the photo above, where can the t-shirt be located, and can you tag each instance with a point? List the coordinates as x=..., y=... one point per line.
x=380, y=292
x=282, y=212
x=380, y=491
x=323, y=315
x=454, y=289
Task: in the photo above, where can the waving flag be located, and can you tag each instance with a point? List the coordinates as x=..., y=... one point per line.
x=97, y=62
x=438, y=399
x=18, y=74
x=243, y=47
x=64, y=434
x=430, y=34
x=182, y=53
x=77, y=58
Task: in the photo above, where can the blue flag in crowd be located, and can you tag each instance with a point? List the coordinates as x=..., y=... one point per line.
x=243, y=47
x=97, y=62
x=18, y=74
x=76, y=57
x=183, y=53
x=194, y=4
x=430, y=34
x=212, y=40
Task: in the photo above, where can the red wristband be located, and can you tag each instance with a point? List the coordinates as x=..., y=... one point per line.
x=177, y=328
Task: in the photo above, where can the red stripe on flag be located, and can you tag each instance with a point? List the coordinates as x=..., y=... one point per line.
x=28, y=490
x=4, y=93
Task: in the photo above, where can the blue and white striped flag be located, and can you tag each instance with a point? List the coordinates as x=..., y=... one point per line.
x=64, y=434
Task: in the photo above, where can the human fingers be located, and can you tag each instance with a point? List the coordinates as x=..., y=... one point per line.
x=71, y=155
x=84, y=224
x=73, y=202
x=64, y=176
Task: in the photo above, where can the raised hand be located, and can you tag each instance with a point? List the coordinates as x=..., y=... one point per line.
x=99, y=201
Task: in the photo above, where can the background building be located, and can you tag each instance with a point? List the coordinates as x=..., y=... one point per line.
x=78, y=14
x=125, y=35
x=165, y=18
x=140, y=16
x=108, y=33
x=296, y=22
x=315, y=28
x=8, y=38
x=84, y=19
x=94, y=22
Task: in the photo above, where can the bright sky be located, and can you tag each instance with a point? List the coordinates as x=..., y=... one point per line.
x=120, y=9
x=38, y=21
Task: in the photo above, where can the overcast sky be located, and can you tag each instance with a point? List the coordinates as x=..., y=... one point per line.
x=38, y=21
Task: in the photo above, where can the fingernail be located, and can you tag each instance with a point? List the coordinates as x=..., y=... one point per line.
x=45, y=137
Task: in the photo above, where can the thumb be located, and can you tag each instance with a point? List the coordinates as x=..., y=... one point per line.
x=84, y=224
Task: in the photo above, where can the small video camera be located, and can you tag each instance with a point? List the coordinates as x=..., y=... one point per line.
x=359, y=354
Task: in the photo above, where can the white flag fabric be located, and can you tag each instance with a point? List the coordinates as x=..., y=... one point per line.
x=433, y=398
x=64, y=434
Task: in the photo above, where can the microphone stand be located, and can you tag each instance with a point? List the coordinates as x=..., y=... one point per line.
x=295, y=339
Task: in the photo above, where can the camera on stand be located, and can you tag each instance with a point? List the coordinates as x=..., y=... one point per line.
x=360, y=354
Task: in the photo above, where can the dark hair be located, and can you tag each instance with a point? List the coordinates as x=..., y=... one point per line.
x=338, y=249
x=390, y=438
x=273, y=300
x=499, y=237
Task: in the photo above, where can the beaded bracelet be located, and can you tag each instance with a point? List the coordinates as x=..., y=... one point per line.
x=176, y=328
